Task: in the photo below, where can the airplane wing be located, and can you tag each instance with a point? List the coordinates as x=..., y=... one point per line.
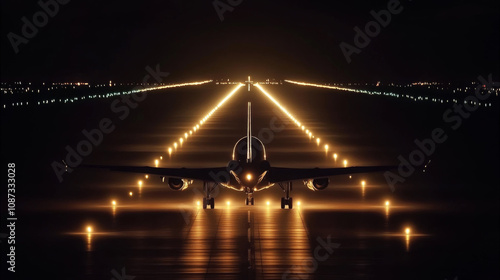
x=204, y=174
x=283, y=174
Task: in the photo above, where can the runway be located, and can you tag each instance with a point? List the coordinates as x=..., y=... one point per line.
x=344, y=232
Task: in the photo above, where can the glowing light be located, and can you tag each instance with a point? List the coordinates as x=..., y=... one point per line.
x=190, y=132
x=317, y=141
x=326, y=147
x=407, y=231
x=156, y=162
x=303, y=127
x=198, y=203
x=181, y=140
x=363, y=183
x=89, y=229
x=140, y=183
x=249, y=177
x=387, y=203
x=298, y=203
x=146, y=176
x=169, y=151
x=175, y=145
x=185, y=135
x=113, y=202
x=345, y=162
x=268, y=203
x=228, y=203
x=130, y=193
x=335, y=157
x=161, y=157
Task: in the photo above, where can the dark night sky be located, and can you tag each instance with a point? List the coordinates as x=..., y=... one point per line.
x=102, y=40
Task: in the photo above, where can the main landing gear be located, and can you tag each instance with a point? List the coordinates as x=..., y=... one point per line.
x=287, y=199
x=208, y=189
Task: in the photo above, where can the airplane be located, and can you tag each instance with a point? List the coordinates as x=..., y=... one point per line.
x=249, y=171
x=249, y=82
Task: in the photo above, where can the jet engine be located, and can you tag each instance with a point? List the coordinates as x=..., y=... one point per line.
x=179, y=184
x=317, y=184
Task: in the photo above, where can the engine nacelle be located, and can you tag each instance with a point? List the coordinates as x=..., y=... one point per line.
x=317, y=184
x=178, y=184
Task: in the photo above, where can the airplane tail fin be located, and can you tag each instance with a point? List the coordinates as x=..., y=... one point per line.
x=249, y=133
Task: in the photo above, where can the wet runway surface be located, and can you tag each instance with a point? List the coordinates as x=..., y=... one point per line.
x=343, y=232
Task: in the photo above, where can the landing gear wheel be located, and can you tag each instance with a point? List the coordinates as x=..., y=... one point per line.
x=212, y=203
x=290, y=203
x=282, y=203
x=204, y=203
